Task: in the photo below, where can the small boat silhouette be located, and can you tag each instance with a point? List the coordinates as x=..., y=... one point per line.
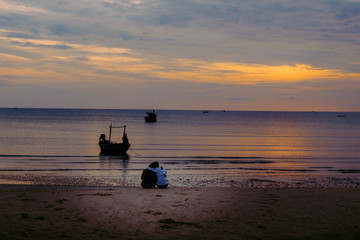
x=151, y=116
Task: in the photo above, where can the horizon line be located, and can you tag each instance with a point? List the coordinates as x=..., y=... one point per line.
x=160, y=109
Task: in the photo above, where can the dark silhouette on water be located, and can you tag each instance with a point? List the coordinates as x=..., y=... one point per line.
x=151, y=116
x=112, y=148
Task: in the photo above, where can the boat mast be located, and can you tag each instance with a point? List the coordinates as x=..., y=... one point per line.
x=110, y=132
x=111, y=127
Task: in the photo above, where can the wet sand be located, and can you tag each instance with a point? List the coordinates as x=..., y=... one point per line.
x=70, y=212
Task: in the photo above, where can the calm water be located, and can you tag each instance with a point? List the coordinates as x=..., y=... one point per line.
x=63, y=142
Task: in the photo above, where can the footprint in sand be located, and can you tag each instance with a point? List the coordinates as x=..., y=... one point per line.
x=61, y=201
x=153, y=212
x=179, y=193
x=24, y=215
x=171, y=223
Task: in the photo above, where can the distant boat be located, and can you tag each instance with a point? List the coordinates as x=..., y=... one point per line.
x=341, y=115
x=205, y=111
x=112, y=148
x=151, y=116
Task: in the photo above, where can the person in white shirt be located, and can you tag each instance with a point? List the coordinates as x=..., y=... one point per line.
x=160, y=174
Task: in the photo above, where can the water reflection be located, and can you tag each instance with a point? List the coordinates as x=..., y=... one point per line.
x=114, y=156
x=112, y=161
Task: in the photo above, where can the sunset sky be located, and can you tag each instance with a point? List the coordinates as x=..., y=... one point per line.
x=181, y=54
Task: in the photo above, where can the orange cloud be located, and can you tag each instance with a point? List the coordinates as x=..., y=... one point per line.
x=25, y=72
x=240, y=73
x=10, y=57
x=76, y=47
x=122, y=64
x=89, y=58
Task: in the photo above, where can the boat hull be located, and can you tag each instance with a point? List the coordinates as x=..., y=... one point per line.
x=151, y=116
x=150, y=119
x=108, y=148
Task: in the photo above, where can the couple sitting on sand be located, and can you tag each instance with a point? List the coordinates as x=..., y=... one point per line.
x=152, y=175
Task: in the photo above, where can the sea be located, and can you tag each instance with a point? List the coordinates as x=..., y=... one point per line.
x=197, y=148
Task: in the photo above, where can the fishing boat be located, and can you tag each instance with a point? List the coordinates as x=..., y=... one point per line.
x=341, y=115
x=151, y=116
x=112, y=148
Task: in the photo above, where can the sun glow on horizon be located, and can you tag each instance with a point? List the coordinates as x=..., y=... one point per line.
x=251, y=74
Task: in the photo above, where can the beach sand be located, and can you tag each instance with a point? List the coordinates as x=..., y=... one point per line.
x=68, y=212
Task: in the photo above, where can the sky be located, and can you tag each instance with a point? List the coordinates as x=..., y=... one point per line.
x=268, y=55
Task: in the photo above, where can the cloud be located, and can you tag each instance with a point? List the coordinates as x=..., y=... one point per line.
x=10, y=57
x=251, y=74
x=126, y=35
x=64, y=45
x=11, y=7
x=29, y=44
x=240, y=99
x=349, y=10
x=19, y=35
x=60, y=29
x=184, y=13
x=125, y=61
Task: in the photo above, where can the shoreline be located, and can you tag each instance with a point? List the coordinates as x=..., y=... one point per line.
x=80, y=212
x=341, y=181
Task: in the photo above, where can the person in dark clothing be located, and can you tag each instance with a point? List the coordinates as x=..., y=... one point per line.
x=160, y=174
x=148, y=178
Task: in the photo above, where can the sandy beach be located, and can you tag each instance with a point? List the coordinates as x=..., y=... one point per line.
x=69, y=212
